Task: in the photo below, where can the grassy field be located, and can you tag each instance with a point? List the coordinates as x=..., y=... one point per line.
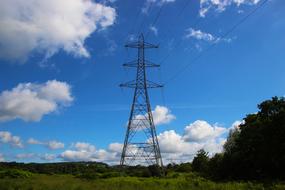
x=183, y=182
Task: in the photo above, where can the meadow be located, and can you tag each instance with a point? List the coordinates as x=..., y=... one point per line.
x=173, y=181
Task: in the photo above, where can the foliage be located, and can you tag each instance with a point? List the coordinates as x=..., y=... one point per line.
x=253, y=151
x=189, y=181
x=200, y=162
x=14, y=173
x=257, y=151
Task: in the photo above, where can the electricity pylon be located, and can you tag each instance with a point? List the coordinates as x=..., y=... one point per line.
x=141, y=145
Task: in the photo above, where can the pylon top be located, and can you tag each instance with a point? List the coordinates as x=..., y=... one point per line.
x=141, y=38
x=141, y=43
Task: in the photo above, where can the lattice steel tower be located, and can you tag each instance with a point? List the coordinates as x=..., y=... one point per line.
x=141, y=144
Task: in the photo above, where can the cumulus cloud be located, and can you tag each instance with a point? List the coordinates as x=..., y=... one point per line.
x=48, y=26
x=115, y=147
x=171, y=142
x=83, y=146
x=7, y=138
x=174, y=147
x=221, y=5
x=202, y=131
x=162, y=115
x=199, y=134
x=74, y=155
x=34, y=141
x=87, y=152
x=55, y=145
x=52, y=145
x=30, y=101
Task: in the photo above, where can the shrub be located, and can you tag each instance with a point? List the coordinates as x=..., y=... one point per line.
x=15, y=173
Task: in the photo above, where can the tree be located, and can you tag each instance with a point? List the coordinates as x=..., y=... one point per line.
x=200, y=162
x=257, y=151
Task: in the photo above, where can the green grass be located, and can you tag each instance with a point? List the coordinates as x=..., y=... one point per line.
x=69, y=182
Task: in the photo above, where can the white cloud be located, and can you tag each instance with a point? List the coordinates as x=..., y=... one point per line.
x=174, y=147
x=149, y=3
x=48, y=26
x=74, y=155
x=34, y=141
x=2, y=159
x=199, y=134
x=162, y=115
x=7, y=137
x=236, y=124
x=83, y=152
x=48, y=157
x=55, y=145
x=115, y=147
x=52, y=145
x=171, y=142
x=154, y=30
x=83, y=146
x=30, y=101
x=199, y=35
x=25, y=155
x=221, y=5
x=202, y=131
x=87, y=152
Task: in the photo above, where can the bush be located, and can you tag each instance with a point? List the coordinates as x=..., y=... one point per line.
x=110, y=174
x=15, y=173
x=88, y=176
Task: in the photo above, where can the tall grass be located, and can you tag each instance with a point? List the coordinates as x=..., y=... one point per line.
x=180, y=182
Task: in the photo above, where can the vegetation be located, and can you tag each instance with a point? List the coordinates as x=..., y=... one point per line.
x=181, y=181
x=253, y=158
x=253, y=151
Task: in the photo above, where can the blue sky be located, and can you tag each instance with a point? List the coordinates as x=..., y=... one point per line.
x=60, y=71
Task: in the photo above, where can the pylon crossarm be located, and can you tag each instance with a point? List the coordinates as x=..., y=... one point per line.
x=135, y=64
x=151, y=84
x=144, y=45
x=134, y=84
x=130, y=84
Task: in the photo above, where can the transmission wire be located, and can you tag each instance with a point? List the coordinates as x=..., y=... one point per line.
x=183, y=69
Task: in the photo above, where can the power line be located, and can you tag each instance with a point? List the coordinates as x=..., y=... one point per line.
x=183, y=69
x=153, y=24
x=179, y=43
x=132, y=27
x=155, y=19
x=149, y=8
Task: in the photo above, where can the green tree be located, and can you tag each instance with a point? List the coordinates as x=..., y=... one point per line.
x=257, y=151
x=200, y=162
